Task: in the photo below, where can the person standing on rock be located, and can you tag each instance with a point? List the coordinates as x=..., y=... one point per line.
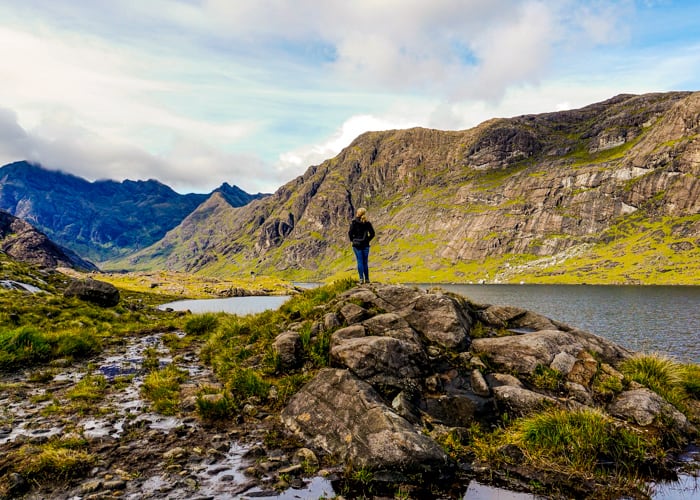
x=361, y=233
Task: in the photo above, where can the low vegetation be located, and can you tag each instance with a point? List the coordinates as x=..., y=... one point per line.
x=162, y=389
x=40, y=327
x=676, y=382
x=240, y=350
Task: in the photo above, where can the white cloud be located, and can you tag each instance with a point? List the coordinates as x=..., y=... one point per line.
x=252, y=93
x=295, y=162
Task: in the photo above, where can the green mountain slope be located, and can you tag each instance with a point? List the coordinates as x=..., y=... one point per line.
x=605, y=193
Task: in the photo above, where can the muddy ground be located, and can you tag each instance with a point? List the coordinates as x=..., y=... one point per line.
x=138, y=453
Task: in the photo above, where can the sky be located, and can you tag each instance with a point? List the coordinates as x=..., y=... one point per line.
x=195, y=93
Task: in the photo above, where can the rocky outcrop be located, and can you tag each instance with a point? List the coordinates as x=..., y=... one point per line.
x=23, y=242
x=346, y=417
x=406, y=368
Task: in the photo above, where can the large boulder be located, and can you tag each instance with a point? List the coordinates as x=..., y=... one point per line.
x=346, y=417
x=94, y=291
x=381, y=361
x=441, y=320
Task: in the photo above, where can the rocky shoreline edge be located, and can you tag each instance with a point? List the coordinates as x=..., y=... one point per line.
x=416, y=382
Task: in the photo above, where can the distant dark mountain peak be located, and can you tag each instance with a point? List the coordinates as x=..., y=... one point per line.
x=103, y=219
x=235, y=196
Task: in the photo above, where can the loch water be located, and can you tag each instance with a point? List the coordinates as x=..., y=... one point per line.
x=660, y=319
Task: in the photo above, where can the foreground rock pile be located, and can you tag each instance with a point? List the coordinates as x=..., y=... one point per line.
x=407, y=366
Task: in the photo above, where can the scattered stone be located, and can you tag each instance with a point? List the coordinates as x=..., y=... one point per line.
x=174, y=453
x=479, y=384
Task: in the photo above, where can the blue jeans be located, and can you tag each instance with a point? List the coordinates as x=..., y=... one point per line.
x=362, y=256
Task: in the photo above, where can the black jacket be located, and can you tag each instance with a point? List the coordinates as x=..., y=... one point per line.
x=360, y=233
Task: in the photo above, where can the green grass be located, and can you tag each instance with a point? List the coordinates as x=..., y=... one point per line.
x=59, y=460
x=240, y=351
x=89, y=389
x=585, y=441
x=215, y=405
x=38, y=328
x=162, y=388
x=675, y=382
x=584, y=446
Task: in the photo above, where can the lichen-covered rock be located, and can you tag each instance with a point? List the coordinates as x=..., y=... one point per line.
x=347, y=418
x=440, y=319
x=519, y=401
x=523, y=353
x=381, y=361
x=645, y=407
x=352, y=313
x=349, y=332
x=391, y=325
x=288, y=348
x=515, y=318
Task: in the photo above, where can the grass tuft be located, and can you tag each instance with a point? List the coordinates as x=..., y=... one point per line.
x=162, y=388
x=668, y=378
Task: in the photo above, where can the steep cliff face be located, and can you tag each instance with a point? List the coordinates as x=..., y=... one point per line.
x=484, y=203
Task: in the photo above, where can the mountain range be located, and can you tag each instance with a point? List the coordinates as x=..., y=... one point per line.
x=607, y=193
x=99, y=220
x=24, y=243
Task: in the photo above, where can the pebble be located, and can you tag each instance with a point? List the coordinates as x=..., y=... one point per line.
x=90, y=486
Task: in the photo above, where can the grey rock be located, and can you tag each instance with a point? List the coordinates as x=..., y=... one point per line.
x=563, y=362
x=330, y=321
x=645, y=407
x=499, y=379
x=540, y=348
x=440, y=319
x=346, y=417
x=349, y=332
x=352, y=313
x=381, y=360
x=390, y=325
x=519, y=401
x=479, y=384
x=289, y=348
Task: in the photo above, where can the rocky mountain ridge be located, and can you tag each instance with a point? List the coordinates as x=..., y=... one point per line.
x=22, y=242
x=608, y=191
x=102, y=219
